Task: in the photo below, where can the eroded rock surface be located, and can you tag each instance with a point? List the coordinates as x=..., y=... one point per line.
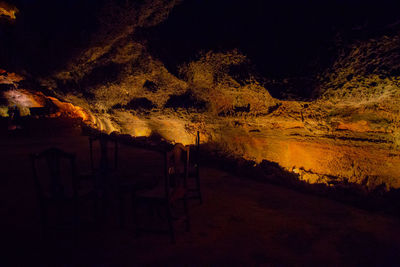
x=349, y=131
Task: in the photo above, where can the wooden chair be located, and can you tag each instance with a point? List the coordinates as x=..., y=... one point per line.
x=194, y=189
x=103, y=164
x=58, y=186
x=170, y=190
x=102, y=168
x=105, y=172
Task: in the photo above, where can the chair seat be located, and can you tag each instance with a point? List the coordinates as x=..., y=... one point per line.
x=192, y=171
x=137, y=182
x=191, y=182
x=85, y=176
x=61, y=188
x=156, y=193
x=170, y=188
x=85, y=189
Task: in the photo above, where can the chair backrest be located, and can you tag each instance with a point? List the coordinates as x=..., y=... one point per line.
x=197, y=147
x=104, y=164
x=61, y=173
x=176, y=171
x=198, y=140
x=195, y=151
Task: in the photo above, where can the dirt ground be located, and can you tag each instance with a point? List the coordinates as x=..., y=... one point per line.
x=241, y=222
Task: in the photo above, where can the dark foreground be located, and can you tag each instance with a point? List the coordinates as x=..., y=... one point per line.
x=241, y=222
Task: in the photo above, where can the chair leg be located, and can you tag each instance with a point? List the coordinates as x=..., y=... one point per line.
x=104, y=204
x=121, y=209
x=60, y=211
x=76, y=222
x=135, y=215
x=96, y=208
x=198, y=189
x=43, y=221
x=186, y=210
x=158, y=212
x=91, y=154
x=170, y=224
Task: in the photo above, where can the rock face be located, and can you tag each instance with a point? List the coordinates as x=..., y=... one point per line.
x=349, y=132
x=8, y=11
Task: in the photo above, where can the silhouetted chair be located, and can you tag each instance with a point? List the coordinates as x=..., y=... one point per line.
x=102, y=168
x=194, y=189
x=169, y=191
x=103, y=163
x=108, y=180
x=16, y=125
x=128, y=183
x=57, y=185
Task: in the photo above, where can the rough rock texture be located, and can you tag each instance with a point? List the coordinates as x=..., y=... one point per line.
x=348, y=133
x=8, y=11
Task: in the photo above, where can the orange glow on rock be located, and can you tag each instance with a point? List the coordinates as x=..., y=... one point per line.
x=316, y=159
x=9, y=77
x=70, y=110
x=23, y=98
x=139, y=132
x=359, y=126
x=173, y=130
x=8, y=11
x=26, y=99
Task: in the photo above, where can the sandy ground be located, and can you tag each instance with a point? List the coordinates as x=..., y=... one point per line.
x=241, y=222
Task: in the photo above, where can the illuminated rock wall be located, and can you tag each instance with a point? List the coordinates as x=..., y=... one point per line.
x=8, y=11
x=349, y=132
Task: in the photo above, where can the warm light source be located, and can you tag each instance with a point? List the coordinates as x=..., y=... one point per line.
x=173, y=130
x=71, y=110
x=22, y=98
x=141, y=131
x=9, y=77
x=25, y=99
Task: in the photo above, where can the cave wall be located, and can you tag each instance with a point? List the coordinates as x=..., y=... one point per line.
x=347, y=131
x=343, y=136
